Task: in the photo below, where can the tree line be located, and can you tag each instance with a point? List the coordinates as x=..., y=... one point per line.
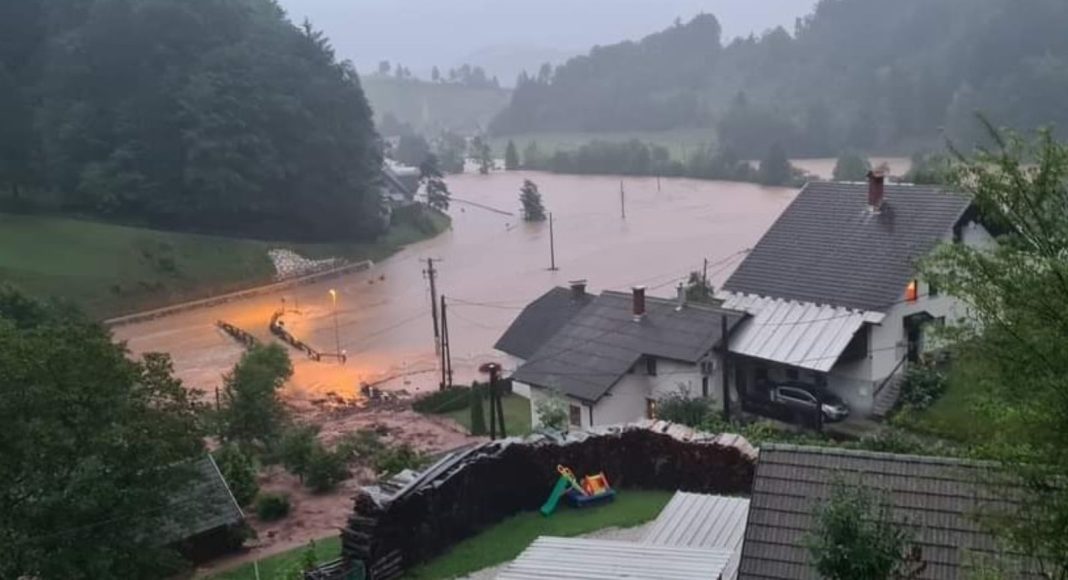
x=218, y=116
x=852, y=75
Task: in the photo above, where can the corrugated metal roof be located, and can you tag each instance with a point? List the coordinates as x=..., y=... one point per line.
x=585, y=559
x=799, y=334
x=703, y=521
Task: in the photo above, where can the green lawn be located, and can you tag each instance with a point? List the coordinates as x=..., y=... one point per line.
x=504, y=541
x=951, y=417
x=680, y=142
x=110, y=269
x=283, y=566
x=516, y=415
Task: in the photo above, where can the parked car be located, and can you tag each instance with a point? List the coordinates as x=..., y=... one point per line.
x=790, y=399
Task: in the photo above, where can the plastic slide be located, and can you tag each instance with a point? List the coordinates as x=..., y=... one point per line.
x=559, y=490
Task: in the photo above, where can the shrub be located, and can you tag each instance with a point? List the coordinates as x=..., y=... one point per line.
x=923, y=386
x=325, y=469
x=396, y=459
x=296, y=447
x=239, y=471
x=553, y=411
x=684, y=409
x=451, y=399
x=272, y=506
x=362, y=445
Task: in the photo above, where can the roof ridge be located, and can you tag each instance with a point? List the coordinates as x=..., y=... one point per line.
x=866, y=454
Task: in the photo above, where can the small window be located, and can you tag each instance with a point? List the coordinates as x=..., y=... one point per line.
x=650, y=408
x=650, y=366
x=792, y=374
x=912, y=291
x=575, y=415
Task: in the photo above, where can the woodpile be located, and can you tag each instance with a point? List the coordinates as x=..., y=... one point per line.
x=470, y=490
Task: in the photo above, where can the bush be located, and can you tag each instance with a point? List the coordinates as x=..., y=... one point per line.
x=923, y=386
x=296, y=447
x=447, y=401
x=239, y=471
x=363, y=445
x=396, y=459
x=325, y=469
x=553, y=411
x=272, y=506
x=681, y=408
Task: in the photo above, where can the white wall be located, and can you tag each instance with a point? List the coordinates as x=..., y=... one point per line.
x=510, y=364
x=538, y=394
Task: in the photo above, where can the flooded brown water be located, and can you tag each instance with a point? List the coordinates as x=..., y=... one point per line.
x=491, y=266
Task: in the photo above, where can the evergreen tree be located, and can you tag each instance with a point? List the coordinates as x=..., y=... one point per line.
x=437, y=191
x=252, y=414
x=483, y=154
x=851, y=167
x=530, y=197
x=775, y=168
x=532, y=158
x=511, y=157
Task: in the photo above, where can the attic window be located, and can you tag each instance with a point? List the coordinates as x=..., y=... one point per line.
x=912, y=291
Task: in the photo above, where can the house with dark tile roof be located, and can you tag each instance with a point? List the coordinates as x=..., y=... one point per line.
x=939, y=501
x=834, y=293
x=204, y=520
x=613, y=356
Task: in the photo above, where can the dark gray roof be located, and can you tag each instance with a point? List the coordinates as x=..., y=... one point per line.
x=204, y=504
x=539, y=321
x=401, y=184
x=827, y=248
x=602, y=342
x=938, y=498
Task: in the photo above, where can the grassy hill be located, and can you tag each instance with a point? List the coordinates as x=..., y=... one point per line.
x=110, y=269
x=430, y=107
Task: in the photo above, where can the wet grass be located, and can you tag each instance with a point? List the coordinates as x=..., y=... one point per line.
x=507, y=539
x=285, y=565
x=516, y=415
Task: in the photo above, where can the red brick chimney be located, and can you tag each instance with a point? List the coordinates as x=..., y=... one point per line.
x=876, y=189
x=639, y=303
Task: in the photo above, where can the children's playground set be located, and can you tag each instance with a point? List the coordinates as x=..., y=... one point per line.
x=594, y=490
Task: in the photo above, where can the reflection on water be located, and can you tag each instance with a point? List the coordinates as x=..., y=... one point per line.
x=491, y=265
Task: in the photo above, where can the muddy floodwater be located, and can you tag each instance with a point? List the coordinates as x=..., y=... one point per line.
x=490, y=265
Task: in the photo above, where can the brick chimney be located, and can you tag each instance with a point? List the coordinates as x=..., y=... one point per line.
x=578, y=289
x=639, y=303
x=876, y=189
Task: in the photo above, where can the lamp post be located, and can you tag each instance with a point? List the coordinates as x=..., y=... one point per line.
x=496, y=406
x=337, y=332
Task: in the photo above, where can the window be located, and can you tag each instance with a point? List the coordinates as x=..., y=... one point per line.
x=575, y=415
x=650, y=366
x=796, y=396
x=912, y=291
x=650, y=408
x=792, y=374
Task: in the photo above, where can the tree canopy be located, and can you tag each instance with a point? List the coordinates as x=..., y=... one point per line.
x=216, y=115
x=530, y=198
x=92, y=448
x=851, y=75
x=851, y=167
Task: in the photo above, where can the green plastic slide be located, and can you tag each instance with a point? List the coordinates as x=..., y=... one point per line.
x=554, y=498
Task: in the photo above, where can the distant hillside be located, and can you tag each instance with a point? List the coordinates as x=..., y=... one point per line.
x=855, y=74
x=431, y=107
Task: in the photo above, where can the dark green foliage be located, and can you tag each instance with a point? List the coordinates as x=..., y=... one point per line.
x=511, y=157
x=239, y=471
x=478, y=417
x=437, y=191
x=933, y=169
x=92, y=448
x=836, y=82
x=325, y=469
x=699, y=290
x=775, y=167
x=449, y=149
x=451, y=399
x=412, y=150
x=272, y=506
x=215, y=115
x=923, y=386
x=680, y=407
x=855, y=537
x=252, y=414
x=708, y=162
x=851, y=167
x=480, y=150
x=396, y=459
x=532, y=157
x=530, y=197
x=296, y=448
x=608, y=158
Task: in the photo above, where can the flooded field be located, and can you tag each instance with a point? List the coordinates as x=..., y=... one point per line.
x=491, y=265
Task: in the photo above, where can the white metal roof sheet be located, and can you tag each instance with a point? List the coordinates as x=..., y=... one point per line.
x=703, y=521
x=800, y=334
x=587, y=559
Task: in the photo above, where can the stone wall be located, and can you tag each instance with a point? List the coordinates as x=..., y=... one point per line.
x=463, y=495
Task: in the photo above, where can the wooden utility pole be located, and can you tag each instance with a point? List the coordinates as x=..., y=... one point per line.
x=446, y=349
x=725, y=330
x=552, y=245
x=622, y=201
x=704, y=276
x=432, y=275
x=658, y=183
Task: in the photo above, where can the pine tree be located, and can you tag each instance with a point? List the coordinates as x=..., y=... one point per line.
x=530, y=197
x=511, y=157
x=775, y=167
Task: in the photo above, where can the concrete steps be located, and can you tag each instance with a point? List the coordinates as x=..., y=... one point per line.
x=887, y=398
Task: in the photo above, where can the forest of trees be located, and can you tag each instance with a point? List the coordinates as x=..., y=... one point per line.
x=855, y=74
x=217, y=116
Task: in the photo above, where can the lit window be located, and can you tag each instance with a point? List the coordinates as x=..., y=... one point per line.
x=912, y=291
x=575, y=415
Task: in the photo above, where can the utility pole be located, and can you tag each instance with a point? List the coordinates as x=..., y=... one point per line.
x=658, y=183
x=552, y=245
x=431, y=275
x=726, y=372
x=446, y=349
x=704, y=276
x=622, y=201
x=337, y=331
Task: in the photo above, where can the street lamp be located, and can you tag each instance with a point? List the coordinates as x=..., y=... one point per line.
x=496, y=406
x=337, y=332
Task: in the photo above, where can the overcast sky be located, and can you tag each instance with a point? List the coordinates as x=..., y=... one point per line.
x=423, y=33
